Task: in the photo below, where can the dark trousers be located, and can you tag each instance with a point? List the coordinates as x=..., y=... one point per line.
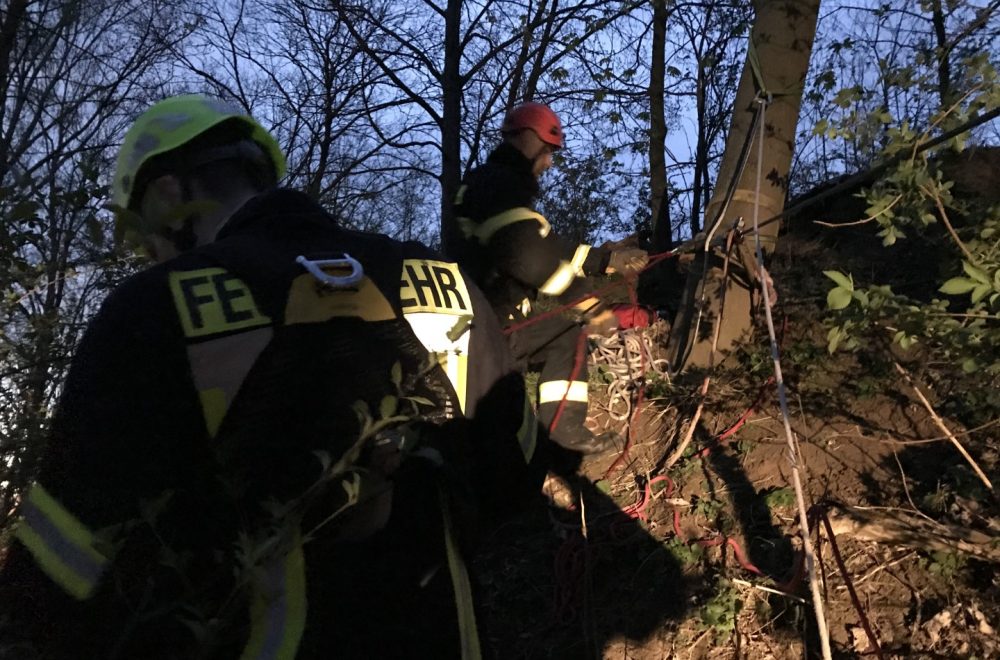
x=556, y=347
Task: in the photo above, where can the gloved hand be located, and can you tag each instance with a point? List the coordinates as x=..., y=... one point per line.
x=628, y=261
x=602, y=323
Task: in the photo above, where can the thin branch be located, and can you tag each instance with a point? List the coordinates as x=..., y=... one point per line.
x=927, y=441
x=951, y=230
x=881, y=567
x=906, y=487
x=941, y=425
x=797, y=599
x=386, y=69
x=860, y=222
x=862, y=178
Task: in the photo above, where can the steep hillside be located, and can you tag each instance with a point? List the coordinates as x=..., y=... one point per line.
x=703, y=560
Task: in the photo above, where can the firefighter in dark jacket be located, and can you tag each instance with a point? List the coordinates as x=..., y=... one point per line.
x=509, y=249
x=275, y=443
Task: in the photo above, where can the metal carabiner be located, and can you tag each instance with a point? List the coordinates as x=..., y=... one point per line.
x=315, y=268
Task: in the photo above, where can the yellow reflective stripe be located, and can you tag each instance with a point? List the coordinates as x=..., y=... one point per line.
x=484, y=231
x=465, y=609
x=560, y=280
x=579, y=258
x=60, y=544
x=278, y=610
x=458, y=372
x=432, y=331
x=557, y=390
x=527, y=435
x=213, y=408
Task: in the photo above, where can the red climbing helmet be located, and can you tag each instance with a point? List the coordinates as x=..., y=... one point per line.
x=539, y=118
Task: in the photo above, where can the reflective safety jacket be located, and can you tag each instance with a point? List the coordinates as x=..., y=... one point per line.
x=274, y=446
x=509, y=248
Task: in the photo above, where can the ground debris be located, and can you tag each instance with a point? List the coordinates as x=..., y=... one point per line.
x=902, y=528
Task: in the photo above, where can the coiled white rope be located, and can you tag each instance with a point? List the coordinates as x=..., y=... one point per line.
x=622, y=357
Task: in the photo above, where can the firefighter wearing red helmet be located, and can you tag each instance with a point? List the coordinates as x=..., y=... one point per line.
x=539, y=118
x=510, y=250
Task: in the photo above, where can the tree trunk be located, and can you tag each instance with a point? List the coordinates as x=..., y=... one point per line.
x=658, y=202
x=782, y=35
x=451, y=126
x=8, y=35
x=941, y=52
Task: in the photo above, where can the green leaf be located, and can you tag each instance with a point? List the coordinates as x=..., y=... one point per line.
x=957, y=286
x=838, y=298
x=397, y=374
x=980, y=292
x=846, y=97
x=975, y=273
x=845, y=281
x=969, y=365
x=861, y=297
x=833, y=339
x=387, y=407
x=603, y=486
x=361, y=410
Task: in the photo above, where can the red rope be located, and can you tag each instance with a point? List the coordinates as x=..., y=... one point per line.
x=798, y=572
x=578, y=359
x=744, y=418
x=750, y=411
x=737, y=551
x=653, y=260
x=568, y=564
x=638, y=510
x=872, y=639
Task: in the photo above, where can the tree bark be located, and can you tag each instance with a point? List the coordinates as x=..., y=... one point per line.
x=658, y=202
x=941, y=52
x=782, y=36
x=451, y=126
x=8, y=35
